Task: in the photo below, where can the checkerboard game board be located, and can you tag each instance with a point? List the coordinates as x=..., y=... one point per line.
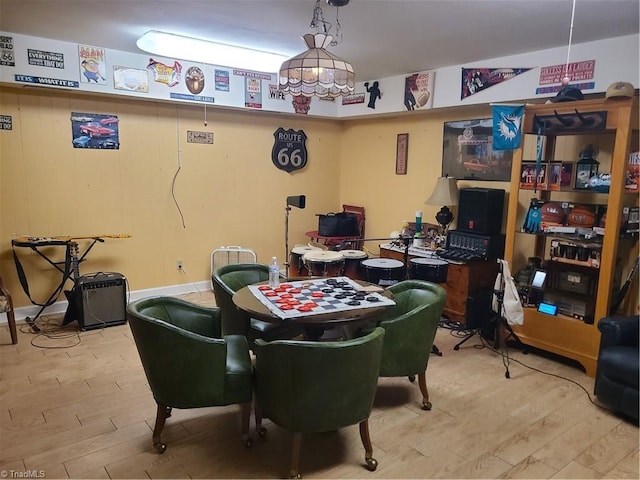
x=315, y=296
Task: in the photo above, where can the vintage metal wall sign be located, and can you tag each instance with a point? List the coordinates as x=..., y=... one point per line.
x=289, y=149
x=6, y=122
x=199, y=137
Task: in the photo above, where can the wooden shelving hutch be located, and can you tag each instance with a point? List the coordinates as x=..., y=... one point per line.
x=562, y=334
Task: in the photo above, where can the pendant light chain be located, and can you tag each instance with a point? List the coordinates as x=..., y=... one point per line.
x=566, y=67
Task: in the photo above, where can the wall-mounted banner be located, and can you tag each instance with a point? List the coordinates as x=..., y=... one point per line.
x=374, y=93
x=40, y=58
x=49, y=82
x=556, y=88
x=507, y=126
x=275, y=93
x=579, y=74
x=92, y=65
x=252, y=92
x=132, y=79
x=289, y=151
x=194, y=98
x=418, y=90
x=576, y=71
x=194, y=79
x=7, y=55
x=353, y=99
x=475, y=80
x=169, y=75
x=92, y=130
x=221, y=80
x=301, y=104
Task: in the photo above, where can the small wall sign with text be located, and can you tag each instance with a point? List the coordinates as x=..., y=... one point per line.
x=199, y=137
x=6, y=122
x=402, y=148
x=289, y=151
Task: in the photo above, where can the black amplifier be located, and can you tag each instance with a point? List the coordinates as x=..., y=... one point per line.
x=470, y=246
x=99, y=300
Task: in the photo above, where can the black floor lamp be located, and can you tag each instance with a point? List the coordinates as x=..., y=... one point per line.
x=298, y=201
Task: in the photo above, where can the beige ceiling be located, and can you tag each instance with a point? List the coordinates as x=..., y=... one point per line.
x=381, y=38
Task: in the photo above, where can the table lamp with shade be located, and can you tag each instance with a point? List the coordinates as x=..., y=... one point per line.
x=445, y=194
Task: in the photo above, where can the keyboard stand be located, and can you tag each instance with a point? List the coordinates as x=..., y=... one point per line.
x=69, y=268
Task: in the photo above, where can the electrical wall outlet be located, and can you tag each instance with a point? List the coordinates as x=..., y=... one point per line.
x=179, y=265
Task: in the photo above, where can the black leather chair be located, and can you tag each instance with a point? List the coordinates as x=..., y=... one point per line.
x=318, y=387
x=187, y=363
x=618, y=367
x=227, y=280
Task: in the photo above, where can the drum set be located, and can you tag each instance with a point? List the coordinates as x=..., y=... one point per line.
x=308, y=260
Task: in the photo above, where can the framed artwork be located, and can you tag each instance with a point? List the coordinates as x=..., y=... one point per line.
x=529, y=179
x=560, y=175
x=467, y=152
x=566, y=174
x=402, y=148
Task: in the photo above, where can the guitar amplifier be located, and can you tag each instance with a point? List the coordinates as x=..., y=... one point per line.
x=100, y=300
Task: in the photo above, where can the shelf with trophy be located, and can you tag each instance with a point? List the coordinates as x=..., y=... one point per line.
x=572, y=223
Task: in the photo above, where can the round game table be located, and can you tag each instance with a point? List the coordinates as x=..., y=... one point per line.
x=314, y=324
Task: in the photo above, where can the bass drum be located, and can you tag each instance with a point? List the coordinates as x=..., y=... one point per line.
x=429, y=269
x=296, y=264
x=324, y=263
x=352, y=263
x=383, y=271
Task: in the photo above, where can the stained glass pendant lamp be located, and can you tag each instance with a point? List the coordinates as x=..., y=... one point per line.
x=318, y=72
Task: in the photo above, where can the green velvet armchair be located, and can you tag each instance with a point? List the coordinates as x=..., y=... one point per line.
x=410, y=328
x=187, y=363
x=227, y=280
x=318, y=387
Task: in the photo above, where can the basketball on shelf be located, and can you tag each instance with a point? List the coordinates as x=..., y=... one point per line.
x=552, y=212
x=581, y=216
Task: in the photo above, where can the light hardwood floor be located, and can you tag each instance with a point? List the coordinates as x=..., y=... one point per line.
x=79, y=407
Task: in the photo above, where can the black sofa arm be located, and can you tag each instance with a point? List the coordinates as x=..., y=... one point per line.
x=619, y=331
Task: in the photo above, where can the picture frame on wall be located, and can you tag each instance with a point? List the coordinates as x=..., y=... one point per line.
x=402, y=149
x=467, y=152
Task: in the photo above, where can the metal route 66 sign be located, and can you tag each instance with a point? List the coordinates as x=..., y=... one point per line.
x=289, y=150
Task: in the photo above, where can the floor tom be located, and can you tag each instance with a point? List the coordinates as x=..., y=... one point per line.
x=429, y=269
x=383, y=271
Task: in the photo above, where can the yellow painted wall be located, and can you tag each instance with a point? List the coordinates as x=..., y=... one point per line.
x=368, y=167
x=230, y=193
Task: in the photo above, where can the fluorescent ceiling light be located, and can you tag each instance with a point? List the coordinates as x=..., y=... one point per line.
x=196, y=50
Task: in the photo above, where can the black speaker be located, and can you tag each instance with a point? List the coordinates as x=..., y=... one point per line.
x=100, y=300
x=298, y=201
x=479, y=312
x=480, y=210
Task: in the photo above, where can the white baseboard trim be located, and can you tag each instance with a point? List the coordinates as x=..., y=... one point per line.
x=61, y=306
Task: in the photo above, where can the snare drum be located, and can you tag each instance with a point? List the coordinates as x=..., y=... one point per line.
x=383, y=271
x=429, y=269
x=352, y=261
x=324, y=263
x=296, y=266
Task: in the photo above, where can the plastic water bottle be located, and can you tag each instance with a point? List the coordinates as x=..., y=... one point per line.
x=274, y=273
